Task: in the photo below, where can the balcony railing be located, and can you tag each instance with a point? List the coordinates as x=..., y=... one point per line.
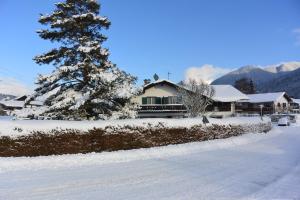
x=162, y=108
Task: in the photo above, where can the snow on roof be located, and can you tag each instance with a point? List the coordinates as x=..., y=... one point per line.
x=20, y=98
x=160, y=81
x=227, y=93
x=18, y=102
x=296, y=101
x=223, y=93
x=265, y=97
x=13, y=103
x=36, y=103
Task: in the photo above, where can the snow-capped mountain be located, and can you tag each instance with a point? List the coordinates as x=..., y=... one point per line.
x=283, y=67
x=288, y=82
x=271, y=78
x=256, y=73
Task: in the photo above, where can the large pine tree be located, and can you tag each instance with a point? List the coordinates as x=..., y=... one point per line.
x=84, y=83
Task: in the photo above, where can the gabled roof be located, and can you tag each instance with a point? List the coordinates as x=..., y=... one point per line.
x=228, y=93
x=296, y=101
x=223, y=93
x=13, y=103
x=162, y=81
x=267, y=97
x=17, y=102
x=21, y=98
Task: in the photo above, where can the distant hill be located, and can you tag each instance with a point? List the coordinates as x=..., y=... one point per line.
x=6, y=97
x=257, y=74
x=289, y=83
x=274, y=78
x=283, y=67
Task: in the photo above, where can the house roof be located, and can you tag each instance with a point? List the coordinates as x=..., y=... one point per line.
x=296, y=101
x=20, y=104
x=13, y=103
x=160, y=82
x=267, y=97
x=36, y=103
x=228, y=93
x=223, y=93
x=21, y=98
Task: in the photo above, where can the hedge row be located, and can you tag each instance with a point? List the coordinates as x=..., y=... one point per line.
x=71, y=141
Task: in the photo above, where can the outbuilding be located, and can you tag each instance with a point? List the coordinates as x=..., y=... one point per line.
x=268, y=103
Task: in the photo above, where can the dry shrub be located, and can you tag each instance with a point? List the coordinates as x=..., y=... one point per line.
x=113, y=138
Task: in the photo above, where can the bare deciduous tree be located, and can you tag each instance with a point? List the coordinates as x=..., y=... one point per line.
x=196, y=97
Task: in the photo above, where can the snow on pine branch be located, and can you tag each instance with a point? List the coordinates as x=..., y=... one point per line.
x=90, y=85
x=76, y=18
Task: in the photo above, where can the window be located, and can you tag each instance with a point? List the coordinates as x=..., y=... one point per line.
x=278, y=104
x=179, y=99
x=144, y=100
x=284, y=105
x=157, y=100
x=165, y=100
x=172, y=100
x=151, y=100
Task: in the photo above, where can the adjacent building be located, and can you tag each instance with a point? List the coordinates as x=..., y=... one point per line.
x=267, y=103
x=18, y=103
x=295, y=105
x=224, y=101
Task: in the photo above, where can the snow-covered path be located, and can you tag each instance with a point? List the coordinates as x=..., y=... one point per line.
x=249, y=166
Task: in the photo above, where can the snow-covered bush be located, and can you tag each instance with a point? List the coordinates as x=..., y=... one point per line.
x=112, y=138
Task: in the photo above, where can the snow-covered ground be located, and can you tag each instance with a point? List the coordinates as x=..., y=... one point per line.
x=10, y=127
x=251, y=166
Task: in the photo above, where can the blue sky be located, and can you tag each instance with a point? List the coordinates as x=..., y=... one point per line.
x=161, y=36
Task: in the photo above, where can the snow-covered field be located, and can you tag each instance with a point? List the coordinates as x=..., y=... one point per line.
x=251, y=166
x=10, y=127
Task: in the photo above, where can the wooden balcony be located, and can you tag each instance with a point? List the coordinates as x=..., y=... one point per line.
x=162, y=108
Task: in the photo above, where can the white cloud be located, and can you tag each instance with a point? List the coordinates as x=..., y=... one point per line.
x=296, y=32
x=206, y=73
x=13, y=87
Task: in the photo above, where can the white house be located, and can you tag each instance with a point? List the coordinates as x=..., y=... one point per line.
x=277, y=102
x=18, y=103
x=13, y=104
x=225, y=100
x=295, y=105
x=161, y=99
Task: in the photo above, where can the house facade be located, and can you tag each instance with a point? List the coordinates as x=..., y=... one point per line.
x=295, y=105
x=267, y=103
x=225, y=100
x=162, y=99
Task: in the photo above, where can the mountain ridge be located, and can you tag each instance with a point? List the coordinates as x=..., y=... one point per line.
x=272, y=78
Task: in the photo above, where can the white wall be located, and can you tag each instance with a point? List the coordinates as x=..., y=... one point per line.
x=159, y=90
x=281, y=100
